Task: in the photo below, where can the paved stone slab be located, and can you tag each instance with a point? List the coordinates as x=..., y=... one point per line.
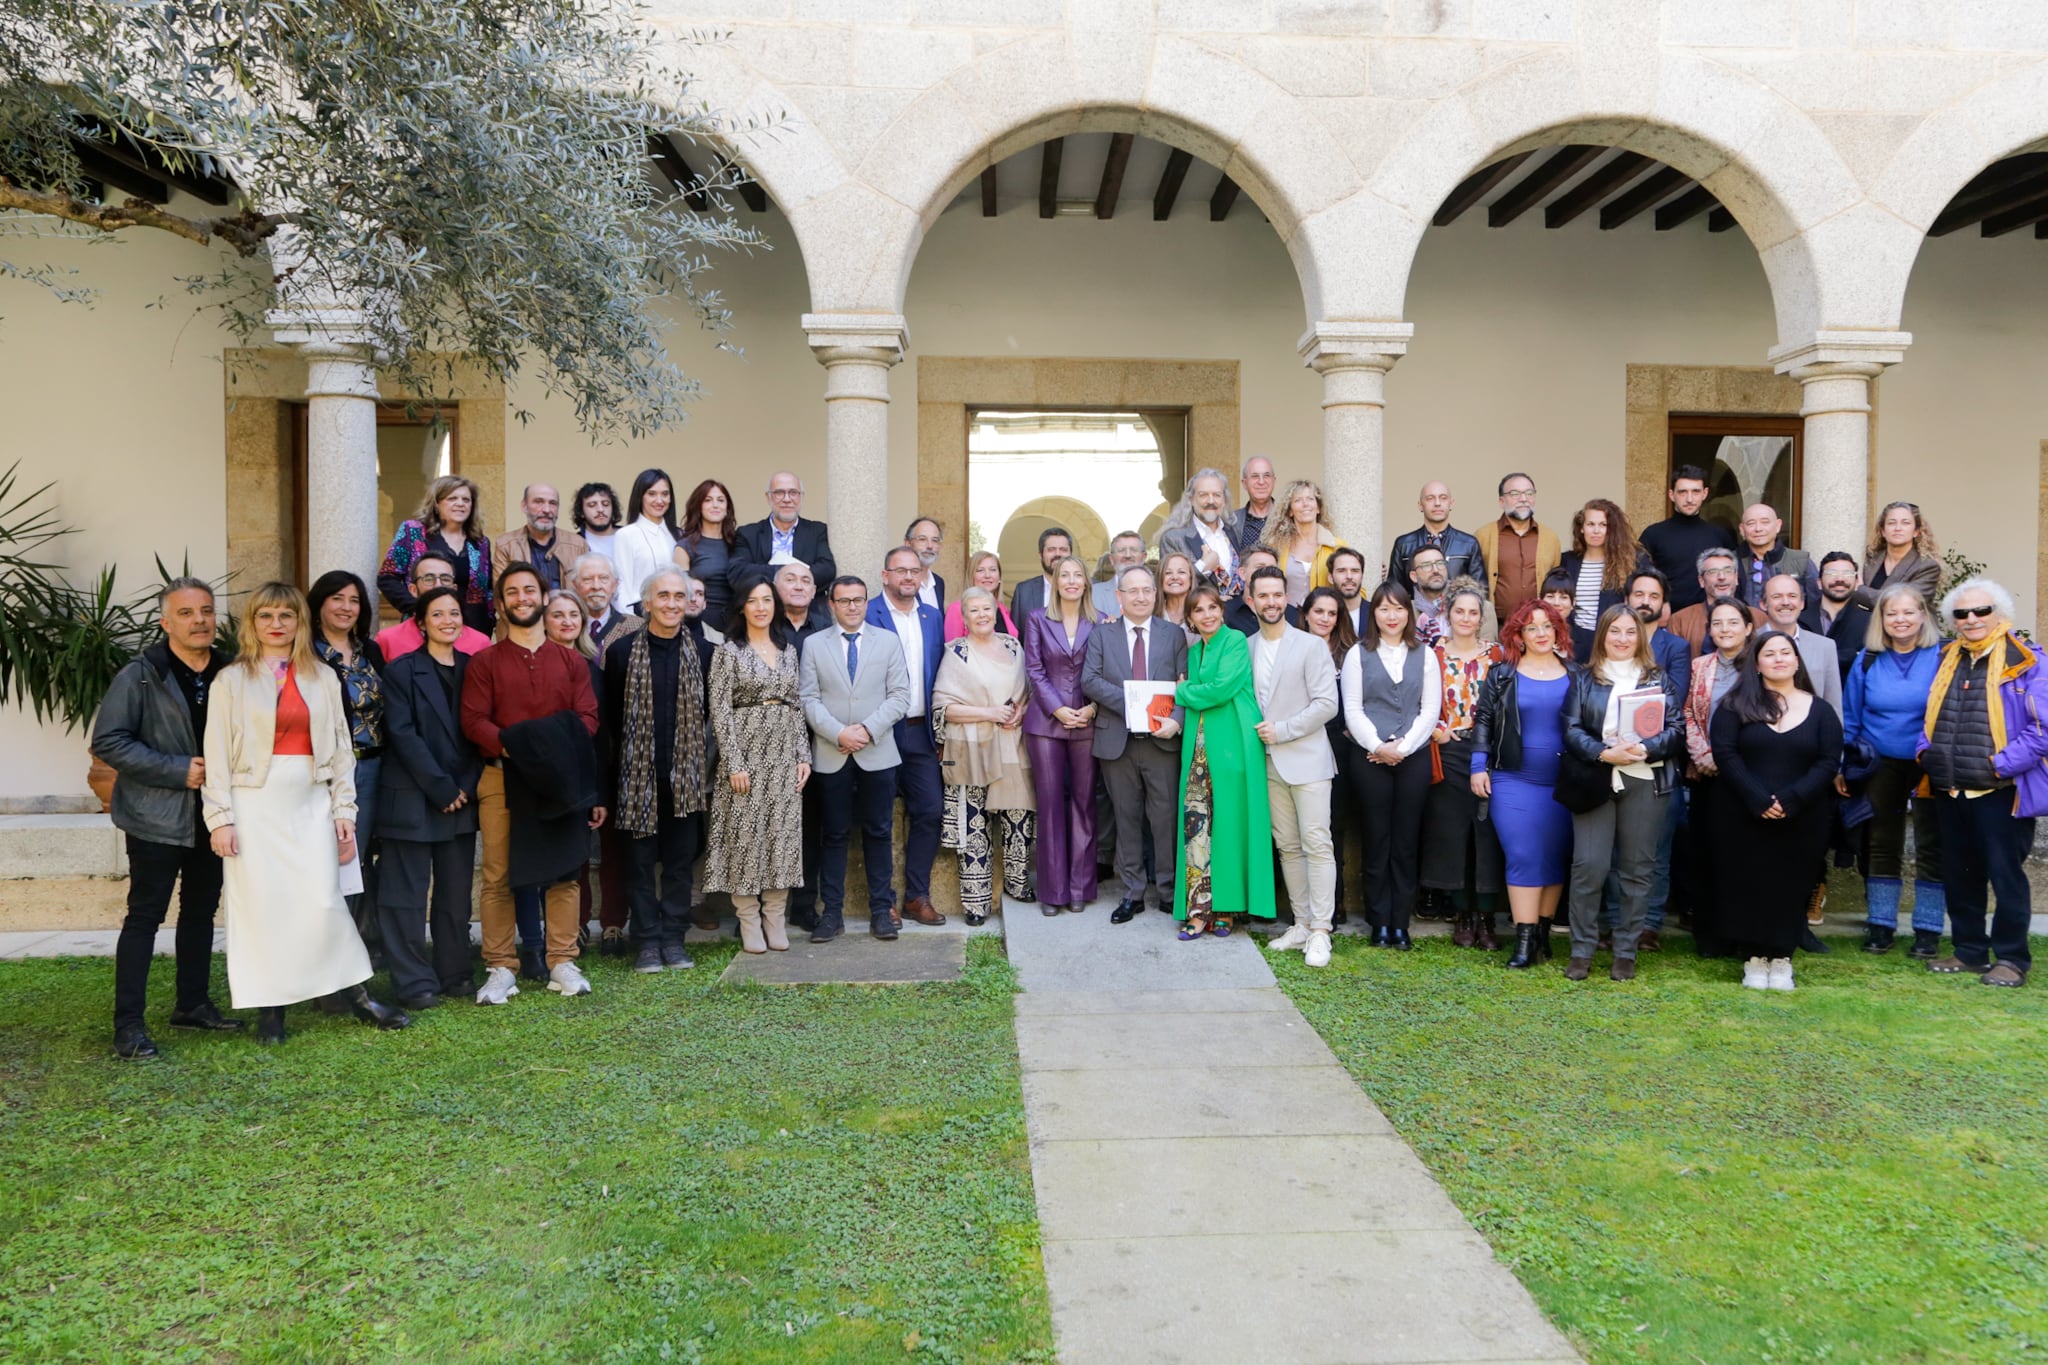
x=1182, y=1187
x=1085, y=952
x=1240, y=1101
x=1373, y=1298
x=1069, y=1042
x=856, y=961
x=1154, y=1002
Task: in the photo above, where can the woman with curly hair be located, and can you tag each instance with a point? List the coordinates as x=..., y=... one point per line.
x=709, y=530
x=448, y=525
x=1603, y=558
x=1902, y=550
x=1301, y=539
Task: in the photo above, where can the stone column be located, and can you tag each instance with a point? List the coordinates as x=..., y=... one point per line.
x=1835, y=370
x=341, y=440
x=1353, y=358
x=857, y=351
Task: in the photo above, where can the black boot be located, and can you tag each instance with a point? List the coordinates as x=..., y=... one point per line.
x=533, y=964
x=1482, y=931
x=374, y=1012
x=1926, y=944
x=1877, y=938
x=270, y=1024
x=1809, y=942
x=1543, y=927
x=1525, y=954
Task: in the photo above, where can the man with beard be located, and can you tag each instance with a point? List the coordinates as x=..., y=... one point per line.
x=552, y=553
x=1241, y=615
x=523, y=677
x=926, y=536
x=1295, y=681
x=593, y=580
x=596, y=516
x=1676, y=543
x=1520, y=552
x=1841, y=619
x=1717, y=575
x=1347, y=576
x=1054, y=544
x=1200, y=529
x=1430, y=573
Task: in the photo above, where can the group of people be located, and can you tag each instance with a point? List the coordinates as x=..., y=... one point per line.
x=1687, y=720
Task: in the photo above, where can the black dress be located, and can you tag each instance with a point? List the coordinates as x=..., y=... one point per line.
x=1768, y=867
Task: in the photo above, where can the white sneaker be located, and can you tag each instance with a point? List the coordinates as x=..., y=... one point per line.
x=1781, y=973
x=1295, y=939
x=500, y=985
x=1756, y=974
x=569, y=980
x=1318, y=954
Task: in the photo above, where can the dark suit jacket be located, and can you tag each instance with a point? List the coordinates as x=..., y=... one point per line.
x=1106, y=667
x=754, y=545
x=1054, y=670
x=428, y=761
x=1847, y=631
x=1238, y=615
x=934, y=626
x=1030, y=596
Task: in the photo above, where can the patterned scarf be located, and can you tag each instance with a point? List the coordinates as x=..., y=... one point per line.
x=637, y=788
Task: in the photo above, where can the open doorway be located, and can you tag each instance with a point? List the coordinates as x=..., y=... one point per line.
x=1093, y=472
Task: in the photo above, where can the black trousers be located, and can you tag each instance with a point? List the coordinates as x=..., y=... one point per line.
x=855, y=796
x=1345, y=816
x=153, y=871
x=1390, y=802
x=425, y=884
x=1984, y=849
x=663, y=918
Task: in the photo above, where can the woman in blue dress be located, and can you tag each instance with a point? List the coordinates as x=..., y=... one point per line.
x=1517, y=744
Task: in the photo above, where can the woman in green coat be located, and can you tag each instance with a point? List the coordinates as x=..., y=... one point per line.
x=1226, y=860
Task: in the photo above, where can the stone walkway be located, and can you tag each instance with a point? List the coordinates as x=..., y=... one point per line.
x=1213, y=1186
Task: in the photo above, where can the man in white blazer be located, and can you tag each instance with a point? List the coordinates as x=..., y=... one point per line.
x=855, y=686
x=1295, y=682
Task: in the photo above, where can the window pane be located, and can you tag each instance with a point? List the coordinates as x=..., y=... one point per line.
x=1741, y=471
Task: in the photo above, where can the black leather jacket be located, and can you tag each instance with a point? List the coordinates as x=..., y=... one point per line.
x=1585, y=718
x=1497, y=720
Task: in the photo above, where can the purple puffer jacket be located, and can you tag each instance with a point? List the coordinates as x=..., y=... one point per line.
x=2024, y=759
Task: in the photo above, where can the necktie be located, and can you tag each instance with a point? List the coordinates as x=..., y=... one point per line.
x=852, y=653
x=1138, y=654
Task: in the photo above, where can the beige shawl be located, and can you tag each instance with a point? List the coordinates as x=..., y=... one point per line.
x=980, y=753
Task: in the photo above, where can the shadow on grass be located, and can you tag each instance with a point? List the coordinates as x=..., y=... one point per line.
x=667, y=1169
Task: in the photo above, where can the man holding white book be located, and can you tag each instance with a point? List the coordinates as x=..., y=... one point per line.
x=1141, y=769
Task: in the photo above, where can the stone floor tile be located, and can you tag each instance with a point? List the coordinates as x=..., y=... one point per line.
x=1226, y=1001
x=1085, y=952
x=855, y=960
x=1066, y=1042
x=1243, y=1101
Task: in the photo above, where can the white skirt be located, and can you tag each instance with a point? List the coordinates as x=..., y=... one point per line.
x=290, y=937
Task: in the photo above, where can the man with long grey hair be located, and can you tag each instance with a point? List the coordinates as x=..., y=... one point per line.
x=1200, y=528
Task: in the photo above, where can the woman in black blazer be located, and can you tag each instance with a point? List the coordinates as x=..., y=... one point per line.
x=427, y=811
x=1600, y=534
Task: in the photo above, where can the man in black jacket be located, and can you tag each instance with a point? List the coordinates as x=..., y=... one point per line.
x=1462, y=555
x=150, y=730
x=779, y=537
x=1841, y=619
x=1676, y=543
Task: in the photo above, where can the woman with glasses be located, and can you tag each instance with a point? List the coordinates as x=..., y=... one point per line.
x=1517, y=747
x=449, y=524
x=1460, y=852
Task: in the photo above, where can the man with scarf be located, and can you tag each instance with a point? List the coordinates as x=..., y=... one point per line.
x=1985, y=753
x=654, y=712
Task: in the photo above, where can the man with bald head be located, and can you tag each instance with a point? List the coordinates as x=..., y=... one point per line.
x=541, y=542
x=1248, y=523
x=1462, y=555
x=1763, y=555
x=784, y=534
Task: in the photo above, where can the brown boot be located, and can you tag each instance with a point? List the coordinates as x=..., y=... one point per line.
x=1578, y=969
x=749, y=908
x=774, y=921
x=1463, y=933
x=1482, y=931
x=922, y=910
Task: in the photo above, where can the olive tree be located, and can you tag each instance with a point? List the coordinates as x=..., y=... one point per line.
x=471, y=174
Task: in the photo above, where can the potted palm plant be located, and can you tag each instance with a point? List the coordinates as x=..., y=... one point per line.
x=61, y=644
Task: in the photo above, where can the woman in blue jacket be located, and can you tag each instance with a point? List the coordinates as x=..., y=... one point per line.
x=1884, y=705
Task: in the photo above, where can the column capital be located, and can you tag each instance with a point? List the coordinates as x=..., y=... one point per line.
x=873, y=338
x=323, y=331
x=1840, y=355
x=1331, y=346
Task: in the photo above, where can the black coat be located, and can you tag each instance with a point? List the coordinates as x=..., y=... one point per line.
x=428, y=761
x=551, y=783
x=1582, y=640
x=753, y=546
x=1497, y=719
x=1585, y=720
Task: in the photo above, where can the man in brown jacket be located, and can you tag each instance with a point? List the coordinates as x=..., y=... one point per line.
x=552, y=550
x=1517, y=550
x=1718, y=576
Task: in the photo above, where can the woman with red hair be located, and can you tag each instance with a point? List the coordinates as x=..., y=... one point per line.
x=1517, y=746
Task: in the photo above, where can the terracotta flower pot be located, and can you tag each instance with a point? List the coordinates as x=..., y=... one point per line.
x=101, y=778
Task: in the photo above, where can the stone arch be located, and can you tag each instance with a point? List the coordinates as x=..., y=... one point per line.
x=1761, y=155
x=862, y=236
x=1996, y=120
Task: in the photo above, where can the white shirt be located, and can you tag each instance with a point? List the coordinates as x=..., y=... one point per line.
x=1131, y=629
x=1217, y=538
x=600, y=542
x=1622, y=676
x=929, y=592
x=637, y=551
x=1395, y=658
x=910, y=632
x=1265, y=655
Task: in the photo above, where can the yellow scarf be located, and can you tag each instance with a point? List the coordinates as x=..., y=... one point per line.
x=1995, y=675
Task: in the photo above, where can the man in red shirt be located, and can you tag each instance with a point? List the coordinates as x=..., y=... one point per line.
x=522, y=677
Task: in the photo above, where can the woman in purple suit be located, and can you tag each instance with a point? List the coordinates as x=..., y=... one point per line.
x=1058, y=737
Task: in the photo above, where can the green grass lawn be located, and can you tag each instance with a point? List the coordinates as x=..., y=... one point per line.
x=668, y=1169
x=1683, y=1170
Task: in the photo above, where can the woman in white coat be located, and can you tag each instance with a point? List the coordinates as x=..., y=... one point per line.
x=648, y=539
x=280, y=800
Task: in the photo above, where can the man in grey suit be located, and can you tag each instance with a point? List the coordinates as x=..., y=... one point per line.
x=855, y=687
x=1295, y=681
x=1054, y=544
x=1142, y=772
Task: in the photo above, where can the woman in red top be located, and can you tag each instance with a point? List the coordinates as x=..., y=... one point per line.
x=280, y=800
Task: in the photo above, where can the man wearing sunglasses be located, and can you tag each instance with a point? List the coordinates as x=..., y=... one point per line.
x=1985, y=752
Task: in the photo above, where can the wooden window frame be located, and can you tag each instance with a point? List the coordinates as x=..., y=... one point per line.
x=1745, y=424
x=388, y=415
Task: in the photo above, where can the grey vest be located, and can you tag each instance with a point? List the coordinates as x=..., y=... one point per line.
x=1391, y=706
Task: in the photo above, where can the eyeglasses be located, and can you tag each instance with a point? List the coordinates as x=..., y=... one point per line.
x=434, y=580
x=1965, y=613
x=1519, y=494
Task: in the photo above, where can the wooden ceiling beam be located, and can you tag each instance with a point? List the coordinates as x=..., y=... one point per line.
x=1476, y=187
x=1541, y=183
x=1628, y=205
x=99, y=166
x=1113, y=174
x=1177, y=163
x=988, y=192
x=1720, y=220
x=1049, y=177
x=750, y=191
x=126, y=151
x=1220, y=202
x=1595, y=187
x=1966, y=208
x=2025, y=215
x=677, y=171
x=1685, y=208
